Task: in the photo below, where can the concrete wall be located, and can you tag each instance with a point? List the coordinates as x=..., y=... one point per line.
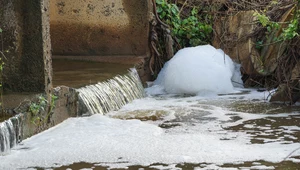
x=78, y=27
x=100, y=27
x=62, y=108
x=26, y=45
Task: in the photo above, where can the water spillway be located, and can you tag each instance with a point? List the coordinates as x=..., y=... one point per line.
x=112, y=94
x=98, y=98
x=10, y=133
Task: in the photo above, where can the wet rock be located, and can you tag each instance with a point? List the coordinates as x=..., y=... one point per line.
x=82, y=109
x=289, y=92
x=66, y=104
x=281, y=94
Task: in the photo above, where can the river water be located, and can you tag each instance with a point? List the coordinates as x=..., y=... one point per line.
x=73, y=73
x=237, y=130
x=234, y=131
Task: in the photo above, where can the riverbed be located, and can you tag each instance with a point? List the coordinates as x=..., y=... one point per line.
x=241, y=130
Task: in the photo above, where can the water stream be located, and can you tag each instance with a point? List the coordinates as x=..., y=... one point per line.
x=111, y=94
x=236, y=131
x=129, y=129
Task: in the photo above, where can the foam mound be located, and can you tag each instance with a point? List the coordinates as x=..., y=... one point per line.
x=196, y=70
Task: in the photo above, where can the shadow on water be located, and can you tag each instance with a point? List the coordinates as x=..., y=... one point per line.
x=80, y=73
x=4, y=117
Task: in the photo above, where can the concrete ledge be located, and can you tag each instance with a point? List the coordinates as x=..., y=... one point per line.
x=64, y=106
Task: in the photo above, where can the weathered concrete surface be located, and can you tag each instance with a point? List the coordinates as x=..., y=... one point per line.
x=45, y=5
x=99, y=27
x=64, y=106
x=26, y=45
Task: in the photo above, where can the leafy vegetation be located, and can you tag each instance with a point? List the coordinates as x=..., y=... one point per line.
x=292, y=29
x=188, y=30
x=286, y=33
x=37, y=108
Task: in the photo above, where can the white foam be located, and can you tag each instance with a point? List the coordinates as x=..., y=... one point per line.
x=194, y=70
x=103, y=139
x=291, y=128
x=121, y=143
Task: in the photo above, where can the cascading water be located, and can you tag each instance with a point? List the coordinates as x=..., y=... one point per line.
x=99, y=98
x=112, y=94
x=10, y=133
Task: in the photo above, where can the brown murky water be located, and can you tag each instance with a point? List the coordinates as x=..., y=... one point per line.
x=4, y=117
x=285, y=165
x=81, y=73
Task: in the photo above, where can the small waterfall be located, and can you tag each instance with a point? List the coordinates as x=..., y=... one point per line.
x=112, y=94
x=10, y=133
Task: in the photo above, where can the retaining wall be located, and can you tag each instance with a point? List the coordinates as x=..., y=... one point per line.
x=26, y=45
x=100, y=27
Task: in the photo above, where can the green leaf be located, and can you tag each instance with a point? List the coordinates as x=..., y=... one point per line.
x=160, y=1
x=192, y=30
x=174, y=11
x=185, y=21
x=194, y=11
x=163, y=14
x=159, y=9
x=1, y=30
x=269, y=29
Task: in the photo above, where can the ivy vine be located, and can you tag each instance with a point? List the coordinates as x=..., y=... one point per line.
x=189, y=30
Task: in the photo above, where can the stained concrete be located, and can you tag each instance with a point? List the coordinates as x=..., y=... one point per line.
x=26, y=45
x=55, y=112
x=99, y=27
x=109, y=31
